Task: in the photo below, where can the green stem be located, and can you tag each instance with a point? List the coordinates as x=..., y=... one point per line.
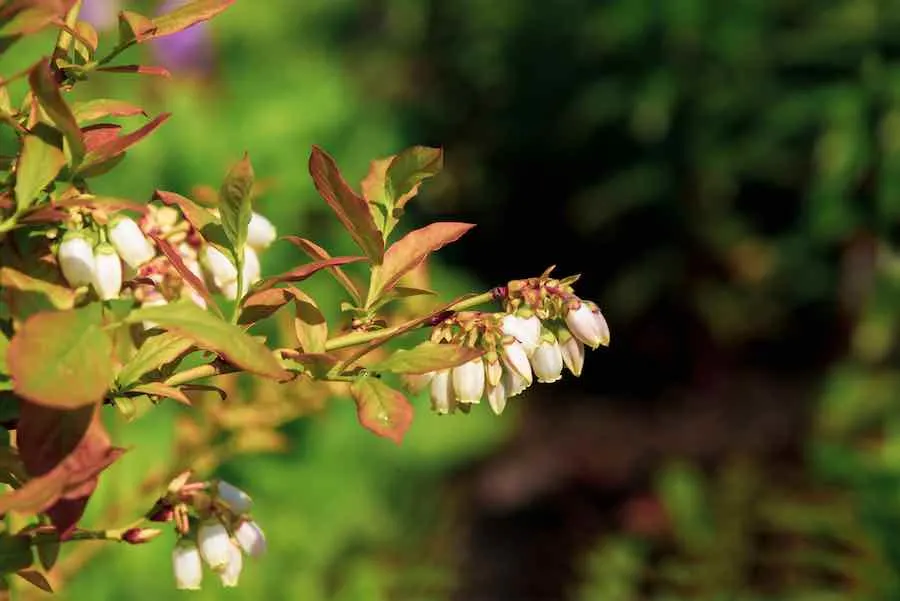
x=236, y=312
x=357, y=338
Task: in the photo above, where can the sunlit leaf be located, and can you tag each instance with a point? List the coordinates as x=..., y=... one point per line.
x=234, y=203
x=159, y=389
x=351, y=209
x=62, y=359
x=39, y=163
x=155, y=352
x=186, y=15
x=203, y=221
x=407, y=253
x=309, y=323
x=99, y=108
x=408, y=169
x=116, y=146
x=213, y=334
x=381, y=409
x=317, y=253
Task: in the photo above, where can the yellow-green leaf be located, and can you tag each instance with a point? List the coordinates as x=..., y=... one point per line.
x=427, y=357
x=38, y=165
x=153, y=354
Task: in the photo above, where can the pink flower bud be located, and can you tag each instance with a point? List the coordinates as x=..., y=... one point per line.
x=496, y=396
x=237, y=500
x=572, y=351
x=468, y=381
x=214, y=543
x=260, y=233
x=588, y=325
x=76, y=259
x=138, y=536
x=515, y=358
x=107, y=272
x=527, y=330
x=231, y=571
x=130, y=242
x=186, y=566
x=547, y=362
x=251, y=539
x=442, y=400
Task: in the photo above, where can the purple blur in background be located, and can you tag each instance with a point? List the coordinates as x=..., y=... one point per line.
x=102, y=14
x=186, y=51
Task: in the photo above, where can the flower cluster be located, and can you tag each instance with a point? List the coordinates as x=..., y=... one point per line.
x=121, y=256
x=214, y=527
x=543, y=329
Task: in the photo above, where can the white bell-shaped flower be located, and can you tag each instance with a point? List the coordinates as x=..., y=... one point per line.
x=513, y=382
x=214, y=543
x=130, y=242
x=527, y=330
x=107, y=272
x=76, y=259
x=468, y=381
x=588, y=325
x=251, y=539
x=442, y=400
x=230, y=573
x=260, y=233
x=515, y=358
x=547, y=362
x=186, y=565
x=496, y=396
x=572, y=351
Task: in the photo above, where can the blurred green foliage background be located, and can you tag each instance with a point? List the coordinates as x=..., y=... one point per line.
x=727, y=178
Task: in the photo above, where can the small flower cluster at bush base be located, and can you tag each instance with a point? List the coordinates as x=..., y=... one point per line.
x=545, y=328
x=214, y=526
x=105, y=257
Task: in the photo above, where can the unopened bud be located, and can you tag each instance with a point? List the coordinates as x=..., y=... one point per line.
x=572, y=351
x=496, y=396
x=107, y=272
x=76, y=259
x=130, y=242
x=588, y=325
x=260, y=233
x=237, y=500
x=468, y=381
x=251, y=538
x=187, y=566
x=138, y=536
x=161, y=512
x=493, y=371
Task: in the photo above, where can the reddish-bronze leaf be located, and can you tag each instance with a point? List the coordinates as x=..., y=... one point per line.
x=188, y=14
x=262, y=304
x=134, y=25
x=351, y=209
x=381, y=409
x=97, y=135
x=408, y=169
x=35, y=578
x=64, y=452
x=104, y=107
x=304, y=271
x=404, y=255
x=118, y=145
x=47, y=92
x=317, y=253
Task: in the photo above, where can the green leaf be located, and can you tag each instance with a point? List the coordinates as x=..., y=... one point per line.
x=47, y=92
x=153, y=354
x=234, y=204
x=351, y=209
x=407, y=253
x=38, y=165
x=24, y=22
x=48, y=551
x=99, y=108
x=317, y=253
x=62, y=359
x=213, y=334
x=427, y=357
x=381, y=409
x=188, y=14
x=119, y=144
x=309, y=323
x=407, y=171
x=15, y=553
x=304, y=271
